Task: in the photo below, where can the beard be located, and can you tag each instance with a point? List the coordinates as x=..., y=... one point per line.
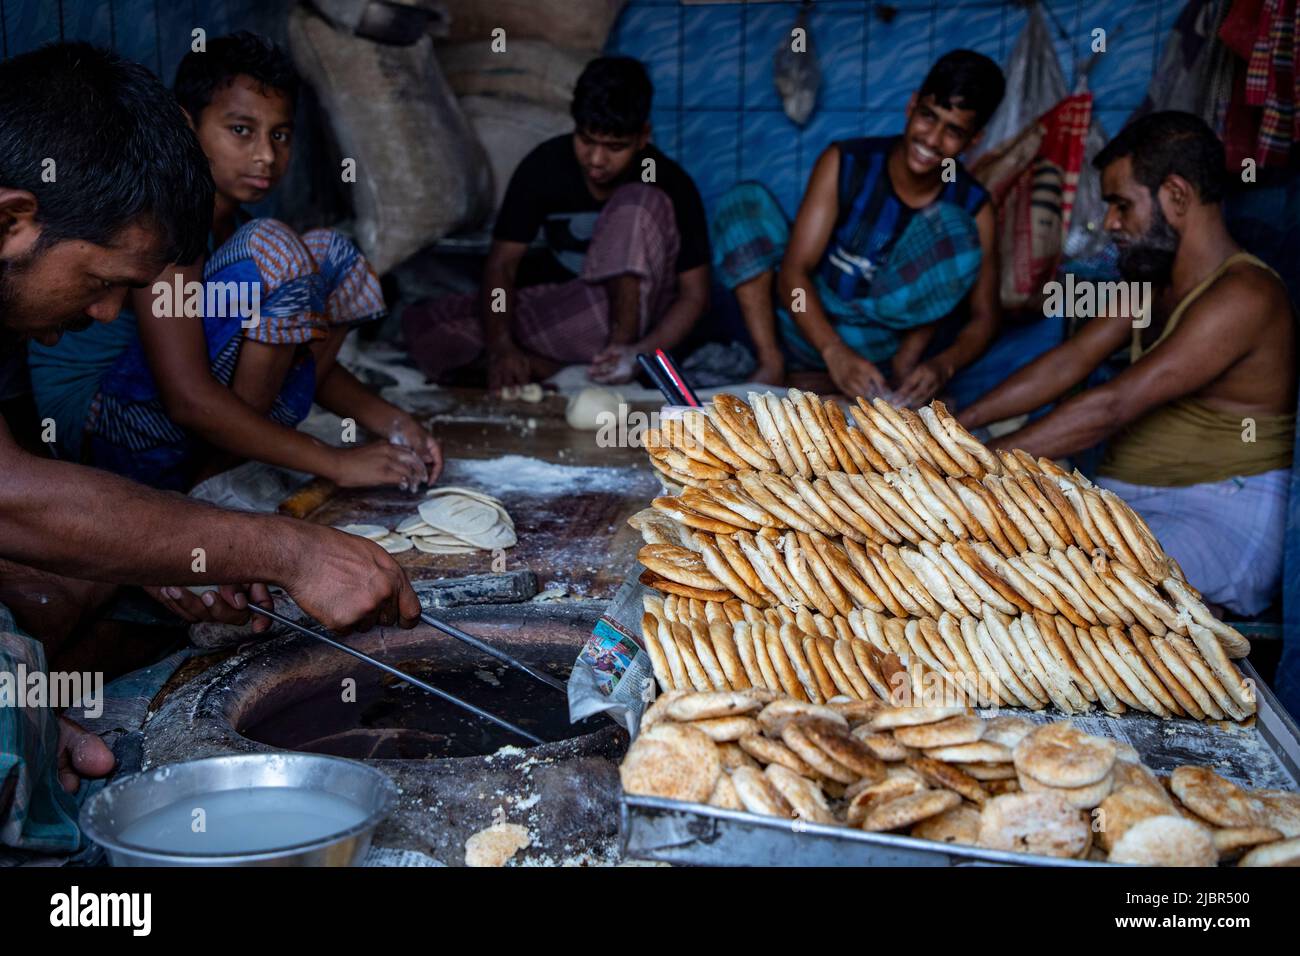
x=1150, y=257
x=10, y=270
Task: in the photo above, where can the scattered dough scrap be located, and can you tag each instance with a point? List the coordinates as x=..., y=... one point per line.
x=495, y=845
x=592, y=407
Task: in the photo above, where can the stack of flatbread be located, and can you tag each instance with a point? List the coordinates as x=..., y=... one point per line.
x=451, y=521
x=903, y=531
x=945, y=774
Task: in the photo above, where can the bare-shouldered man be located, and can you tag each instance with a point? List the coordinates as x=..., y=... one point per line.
x=1201, y=425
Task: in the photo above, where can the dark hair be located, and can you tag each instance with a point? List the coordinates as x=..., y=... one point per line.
x=612, y=96
x=965, y=80
x=201, y=74
x=122, y=150
x=1170, y=142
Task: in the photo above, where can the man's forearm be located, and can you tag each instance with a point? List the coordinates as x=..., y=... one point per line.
x=1044, y=380
x=84, y=523
x=1074, y=425
x=796, y=288
x=343, y=394
x=624, y=296
x=969, y=345
x=676, y=323
x=497, y=304
x=223, y=420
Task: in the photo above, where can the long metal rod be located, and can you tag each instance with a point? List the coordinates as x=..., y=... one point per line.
x=491, y=651
x=399, y=674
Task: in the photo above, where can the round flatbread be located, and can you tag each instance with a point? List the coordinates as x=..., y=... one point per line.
x=671, y=760
x=1061, y=755
x=907, y=810
x=1081, y=798
x=1042, y=823
x=1166, y=840
x=802, y=794
x=960, y=825
x=1281, y=853
x=1213, y=798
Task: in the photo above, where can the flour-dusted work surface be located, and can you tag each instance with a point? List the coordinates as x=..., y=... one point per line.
x=568, y=492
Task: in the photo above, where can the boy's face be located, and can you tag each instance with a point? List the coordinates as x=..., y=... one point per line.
x=247, y=134
x=934, y=133
x=605, y=157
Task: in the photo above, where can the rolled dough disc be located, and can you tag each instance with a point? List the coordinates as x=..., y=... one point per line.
x=459, y=516
x=395, y=543
x=372, y=531
x=440, y=546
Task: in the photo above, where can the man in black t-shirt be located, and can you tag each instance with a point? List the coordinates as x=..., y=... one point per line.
x=626, y=266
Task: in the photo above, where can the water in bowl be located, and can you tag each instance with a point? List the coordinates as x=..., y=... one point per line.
x=248, y=820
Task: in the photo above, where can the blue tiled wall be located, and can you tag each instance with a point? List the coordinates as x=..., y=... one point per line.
x=155, y=32
x=716, y=108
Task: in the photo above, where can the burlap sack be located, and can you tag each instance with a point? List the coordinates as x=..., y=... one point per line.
x=420, y=171
x=509, y=129
x=575, y=24
x=529, y=70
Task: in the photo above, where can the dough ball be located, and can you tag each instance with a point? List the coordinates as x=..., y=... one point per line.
x=592, y=407
x=532, y=392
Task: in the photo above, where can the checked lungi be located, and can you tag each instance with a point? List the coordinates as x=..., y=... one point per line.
x=309, y=285
x=1225, y=535
x=635, y=234
x=928, y=271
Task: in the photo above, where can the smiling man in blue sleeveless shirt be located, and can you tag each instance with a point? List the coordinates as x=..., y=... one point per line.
x=892, y=236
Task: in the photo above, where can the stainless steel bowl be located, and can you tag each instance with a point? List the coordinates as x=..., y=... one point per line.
x=125, y=801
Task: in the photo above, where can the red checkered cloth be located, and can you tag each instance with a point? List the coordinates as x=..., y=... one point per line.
x=635, y=234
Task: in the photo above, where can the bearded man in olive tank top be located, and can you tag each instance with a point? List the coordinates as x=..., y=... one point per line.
x=1200, y=426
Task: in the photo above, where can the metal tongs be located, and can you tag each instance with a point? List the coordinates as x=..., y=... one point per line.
x=423, y=685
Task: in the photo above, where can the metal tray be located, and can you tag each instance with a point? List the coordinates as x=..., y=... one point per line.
x=1263, y=753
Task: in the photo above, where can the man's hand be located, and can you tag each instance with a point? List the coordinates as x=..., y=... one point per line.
x=377, y=464
x=227, y=604
x=81, y=754
x=770, y=370
x=508, y=365
x=614, y=364
x=349, y=583
x=921, y=383
x=852, y=374
x=406, y=431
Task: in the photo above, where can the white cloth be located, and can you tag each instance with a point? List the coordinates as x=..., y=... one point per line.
x=1226, y=535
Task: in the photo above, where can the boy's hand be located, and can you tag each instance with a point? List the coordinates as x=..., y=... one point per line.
x=770, y=369
x=508, y=365
x=614, y=364
x=852, y=374
x=378, y=464
x=408, y=432
x=921, y=383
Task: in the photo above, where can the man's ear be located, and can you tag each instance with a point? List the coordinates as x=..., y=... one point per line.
x=189, y=119
x=644, y=136
x=18, y=226
x=1176, y=196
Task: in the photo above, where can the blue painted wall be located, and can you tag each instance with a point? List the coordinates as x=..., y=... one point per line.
x=716, y=108
x=717, y=111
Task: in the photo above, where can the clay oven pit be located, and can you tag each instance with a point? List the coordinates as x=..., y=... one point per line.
x=457, y=774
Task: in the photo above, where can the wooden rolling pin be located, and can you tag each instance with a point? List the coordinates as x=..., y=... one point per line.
x=308, y=498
